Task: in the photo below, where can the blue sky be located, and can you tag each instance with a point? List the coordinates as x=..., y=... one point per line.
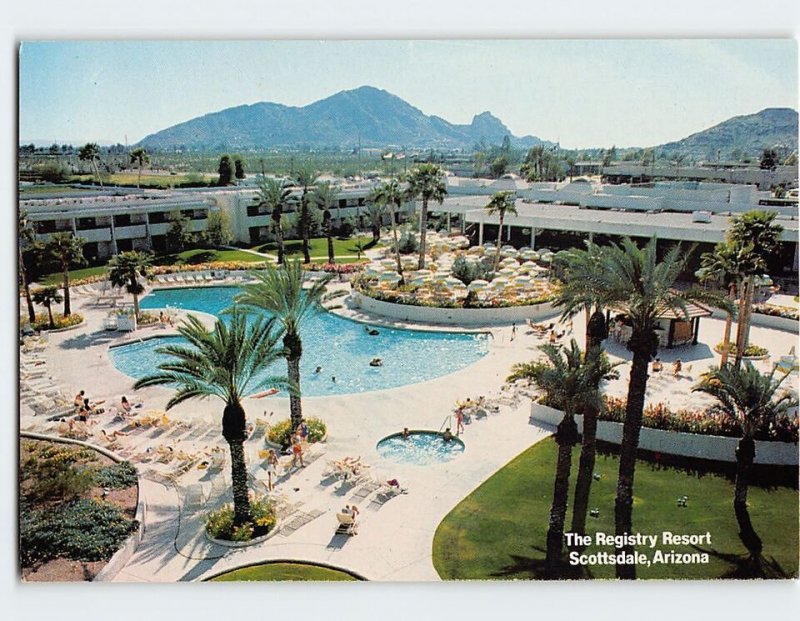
x=583, y=93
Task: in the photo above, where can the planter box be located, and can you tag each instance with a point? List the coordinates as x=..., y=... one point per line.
x=717, y=448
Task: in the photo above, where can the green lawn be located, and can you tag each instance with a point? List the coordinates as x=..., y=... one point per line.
x=318, y=248
x=284, y=571
x=187, y=257
x=498, y=531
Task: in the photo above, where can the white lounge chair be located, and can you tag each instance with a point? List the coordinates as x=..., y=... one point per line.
x=347, y=524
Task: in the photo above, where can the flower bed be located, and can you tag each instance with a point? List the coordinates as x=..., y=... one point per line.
x=660, y=416
x=335, y=268
x=751, y=351
x=280, y=433
x=219, y=523
x=42, y=321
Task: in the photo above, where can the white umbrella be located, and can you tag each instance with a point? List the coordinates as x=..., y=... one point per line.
x=475, y=285
x=507, y=271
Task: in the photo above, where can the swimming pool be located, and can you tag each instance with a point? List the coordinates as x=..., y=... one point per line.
x=421, y=448
x=341, y=347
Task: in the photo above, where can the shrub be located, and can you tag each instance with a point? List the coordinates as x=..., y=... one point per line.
x=751, y=351
x=118, y=476
x=280, y=433
x=408, y=243
x=82, y=530
x=49, y=480
x=42, y=321
x=219, y=523
x=467, y=271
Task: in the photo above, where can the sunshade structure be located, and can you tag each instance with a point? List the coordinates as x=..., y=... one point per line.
x=674, y=326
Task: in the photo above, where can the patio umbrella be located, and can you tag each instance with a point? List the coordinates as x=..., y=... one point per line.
x=477, y=285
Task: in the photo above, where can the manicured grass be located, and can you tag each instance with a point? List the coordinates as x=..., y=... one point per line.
x=207, y=255
x=284, y=571
x=57, y=278
x=498, y=531
x=318, y=248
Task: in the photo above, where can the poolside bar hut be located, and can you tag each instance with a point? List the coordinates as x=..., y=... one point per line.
x=674, y=327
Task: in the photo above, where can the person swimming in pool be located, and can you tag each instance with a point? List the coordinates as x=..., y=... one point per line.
x=318, y=370
x=376, y=362
x=447, y=435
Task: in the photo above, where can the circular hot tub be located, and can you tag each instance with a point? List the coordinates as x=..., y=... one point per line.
x=421, y=448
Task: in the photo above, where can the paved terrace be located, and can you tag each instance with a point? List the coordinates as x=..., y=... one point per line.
x=396, y=533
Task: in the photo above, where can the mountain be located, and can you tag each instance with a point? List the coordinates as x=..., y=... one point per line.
x=366, y=115
x=750, y=133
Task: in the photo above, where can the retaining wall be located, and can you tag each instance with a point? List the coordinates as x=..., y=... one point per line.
x=718, y=448
x=765, y=321
x=454, y=316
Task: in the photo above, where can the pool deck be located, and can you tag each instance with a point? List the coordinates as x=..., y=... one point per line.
x=395, y=536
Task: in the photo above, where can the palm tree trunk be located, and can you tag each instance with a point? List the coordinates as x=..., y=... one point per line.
x=97, y=173
x=234, y=430
x=499, y=242
x=241, y=503
x=623, y=504
x=136, y=305
x=27, y=288
x=331, y=258
x=566, y=437
x=745, y=303
x=583, y=482
x=745, y=455
x=279, y=241
x=396, y=244
x=294, y=346
x=304, y=228
x=423, y=229
x=67, y=309
x=50, y=316
x=139, y=182
x=726, y=337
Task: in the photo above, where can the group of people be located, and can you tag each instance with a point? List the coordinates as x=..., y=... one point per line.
x=657, y=366
x=84, y=408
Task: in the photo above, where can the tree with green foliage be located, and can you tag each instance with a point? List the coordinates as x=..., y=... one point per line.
x=325, y=197
x=499, y=166
x=756, y=237
x=375, y=213
x=426, y=182
x=90, y=152
x=502, y=203
x=225, y=170
x=228, y=362
x=178, y=236
x=139, y=157
x=218, y=228
x=47, y=296
x=769, y=160
x=67, y=250
x=306, y=178
x=275, y=195
x=633, y=280
x=390, y=195
x=570, y=382
x=26, y=241
x=751, y=400
x=130, y=270
x=238, y=165
x=576, y=266
x=280, y=292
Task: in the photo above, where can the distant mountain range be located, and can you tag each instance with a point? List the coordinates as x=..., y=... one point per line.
x=365, y=116
x=750, y=134
x=371, y=117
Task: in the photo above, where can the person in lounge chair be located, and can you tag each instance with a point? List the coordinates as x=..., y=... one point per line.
x=78, y=401
x=677, y=367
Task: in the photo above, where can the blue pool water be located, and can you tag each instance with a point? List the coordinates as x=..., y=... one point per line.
x=420, y=447
x=341, y=347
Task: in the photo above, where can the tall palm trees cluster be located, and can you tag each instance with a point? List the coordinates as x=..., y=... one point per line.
x=230, y=361
x=631, y=279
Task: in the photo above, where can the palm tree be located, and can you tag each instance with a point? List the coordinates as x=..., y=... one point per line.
x=306, y=179
x=633, y=279
x=139, y=157
x=227, y=362
x=750, y=399
x=275, y=195
x=125, y=269
x=90, y=152
x=570, y=383
x=325, y=197
x=758, y=237
x=501, y=204
x=375, y=212
x=578, y=265
x=389, y=194
x=26, y=241
x=727, y=266
x=47, y=296
x=427, y=182
x=280, y=292
x=66, y=249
